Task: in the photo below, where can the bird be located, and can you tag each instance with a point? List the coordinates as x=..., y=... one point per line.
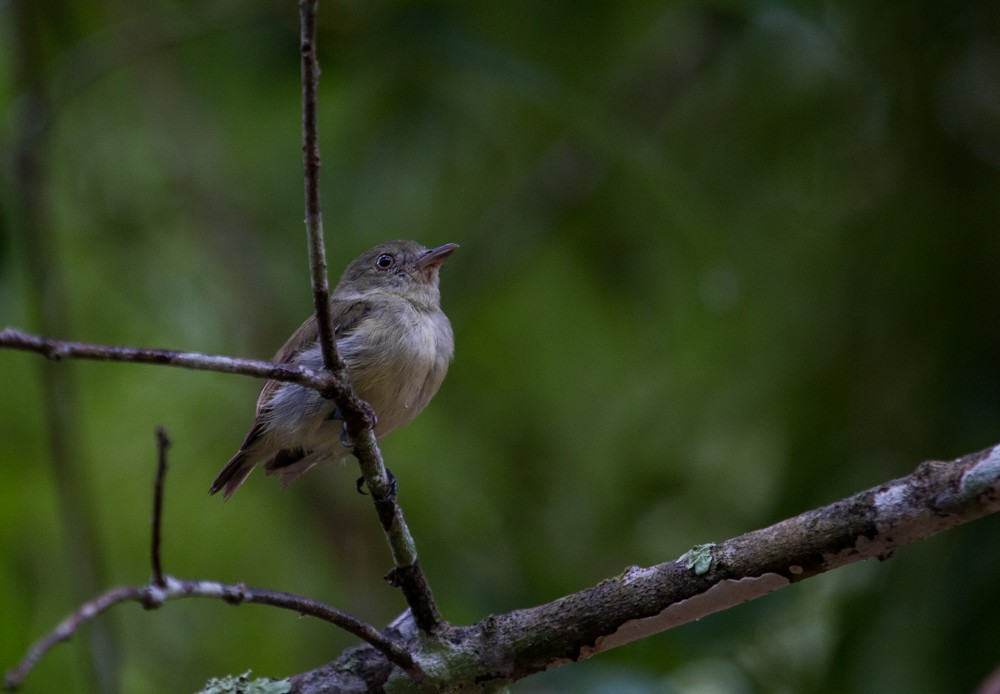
x=396, y=343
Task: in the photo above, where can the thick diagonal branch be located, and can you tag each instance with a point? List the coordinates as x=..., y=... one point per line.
x=640, y=602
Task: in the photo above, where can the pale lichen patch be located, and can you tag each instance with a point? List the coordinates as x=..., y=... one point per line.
x=889, y=499
x=981, y=476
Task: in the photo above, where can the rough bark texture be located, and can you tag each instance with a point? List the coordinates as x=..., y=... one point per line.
x=644, y=601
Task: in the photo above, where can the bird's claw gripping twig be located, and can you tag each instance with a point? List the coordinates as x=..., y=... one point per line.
x=393, y=485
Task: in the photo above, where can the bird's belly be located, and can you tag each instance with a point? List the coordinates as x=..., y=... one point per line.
x=400, y=385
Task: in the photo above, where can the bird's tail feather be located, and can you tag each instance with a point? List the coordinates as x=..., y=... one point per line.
x=233, y=474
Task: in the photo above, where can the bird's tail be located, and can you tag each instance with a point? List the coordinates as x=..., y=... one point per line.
x=233, y=474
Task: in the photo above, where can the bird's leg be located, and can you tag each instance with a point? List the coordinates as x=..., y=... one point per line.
x=345, y=440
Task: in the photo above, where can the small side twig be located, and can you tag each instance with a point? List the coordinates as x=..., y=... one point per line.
x=162, y=444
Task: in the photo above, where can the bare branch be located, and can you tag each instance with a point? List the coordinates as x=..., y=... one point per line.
x=153, y=596
x=15, y=677
x=872, y=524
x=60, y=349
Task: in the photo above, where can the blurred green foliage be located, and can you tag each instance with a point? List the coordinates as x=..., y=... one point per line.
x=721, y=262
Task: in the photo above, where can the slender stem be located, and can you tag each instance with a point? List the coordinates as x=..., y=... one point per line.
x=406, y=574
x=162, y=444
x=311, y=164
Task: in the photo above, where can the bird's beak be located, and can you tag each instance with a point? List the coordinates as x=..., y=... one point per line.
x=435, y=256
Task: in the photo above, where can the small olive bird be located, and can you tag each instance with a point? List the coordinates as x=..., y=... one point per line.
x=393, y=337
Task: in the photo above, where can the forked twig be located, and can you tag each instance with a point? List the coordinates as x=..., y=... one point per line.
x=163, y=588
x=152, y=597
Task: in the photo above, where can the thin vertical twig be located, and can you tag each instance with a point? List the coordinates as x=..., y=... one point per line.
x=162, y=444
x=311, y=163
x=358, y=417
x=407, y=575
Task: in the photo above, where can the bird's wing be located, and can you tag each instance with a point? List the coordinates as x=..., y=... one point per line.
x=301, y=338
x=348, y=315
x=290, y=462
x=306, y=334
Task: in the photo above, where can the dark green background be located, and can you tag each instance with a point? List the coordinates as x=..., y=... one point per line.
x=721, y=263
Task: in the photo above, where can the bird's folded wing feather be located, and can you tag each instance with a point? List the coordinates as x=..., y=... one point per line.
x=348, y=316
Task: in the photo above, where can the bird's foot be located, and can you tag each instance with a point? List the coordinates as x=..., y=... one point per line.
x=393, y=485
x=370, y=415
x=345, y=439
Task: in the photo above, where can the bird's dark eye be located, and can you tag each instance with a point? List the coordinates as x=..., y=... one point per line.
x=384, y=261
